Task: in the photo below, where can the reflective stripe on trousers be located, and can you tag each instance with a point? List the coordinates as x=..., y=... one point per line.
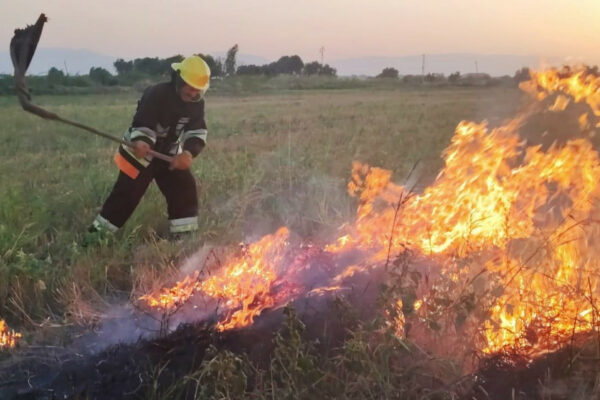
x=180, y=225
x=102, y=224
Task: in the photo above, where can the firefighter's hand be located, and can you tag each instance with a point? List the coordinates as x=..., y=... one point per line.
x=182, y=161
x=140, y=148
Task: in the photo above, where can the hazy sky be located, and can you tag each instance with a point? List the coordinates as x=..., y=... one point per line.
x=346, y=28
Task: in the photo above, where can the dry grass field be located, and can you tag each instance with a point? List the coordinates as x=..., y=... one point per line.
x=271, y=159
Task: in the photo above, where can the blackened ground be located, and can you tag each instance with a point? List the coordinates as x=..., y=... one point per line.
x=118, y=372
x=569, y=373
x=125, y=371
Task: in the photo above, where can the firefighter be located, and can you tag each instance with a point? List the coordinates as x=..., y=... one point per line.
x=170, y=120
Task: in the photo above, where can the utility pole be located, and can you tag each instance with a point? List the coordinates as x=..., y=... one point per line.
x=476, y=67
x=322, y=51
x=423, y=65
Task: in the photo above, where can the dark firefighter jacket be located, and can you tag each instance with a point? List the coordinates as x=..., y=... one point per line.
x=167, y=123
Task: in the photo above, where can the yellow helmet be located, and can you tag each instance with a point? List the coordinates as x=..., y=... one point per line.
x=194, y=71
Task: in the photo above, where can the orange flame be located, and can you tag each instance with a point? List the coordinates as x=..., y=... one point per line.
x=243, y=284
x=533, y=213
x=580, y=83
x=171, y=298
x=484, y=201
x=8, y=337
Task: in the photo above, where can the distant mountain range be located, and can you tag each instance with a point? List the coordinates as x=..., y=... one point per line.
x=73, y=61
x=493, y=64
x=79, y=61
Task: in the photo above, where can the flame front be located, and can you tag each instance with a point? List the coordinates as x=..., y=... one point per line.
x=243, y=284
x=536, y=211
x=8, y=337
x=582, y=84
x=531, y=215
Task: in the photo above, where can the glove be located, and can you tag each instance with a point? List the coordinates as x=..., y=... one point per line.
x=182, y=161
x=140, y=148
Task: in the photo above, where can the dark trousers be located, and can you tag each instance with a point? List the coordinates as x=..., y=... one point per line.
x=178, y=187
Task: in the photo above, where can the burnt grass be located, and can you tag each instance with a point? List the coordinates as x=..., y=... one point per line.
x=118, y=372
x=568, y=373
x=126, y=371
x=133, y=370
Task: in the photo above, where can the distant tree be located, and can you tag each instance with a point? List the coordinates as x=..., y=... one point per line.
x=149, y=65
x=251, y=69
x=215, y=65
x=388, y=73
x=230, y=61
x=431, y=77
x=316, y=68
x=288, y=65
x=219, y=68
x=166, y=67
x=326, y=70
x=522, y=75
x=271, y=69
x=295, y=64
x=101, y=76
x=312, y=68
x=55, y=76
x=123, y=66
x=454, y=77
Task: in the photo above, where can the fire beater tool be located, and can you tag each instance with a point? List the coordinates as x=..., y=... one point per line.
x=22, y=48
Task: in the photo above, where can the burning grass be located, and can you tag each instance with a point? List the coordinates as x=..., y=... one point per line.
x=511, y=228
x=8, y=337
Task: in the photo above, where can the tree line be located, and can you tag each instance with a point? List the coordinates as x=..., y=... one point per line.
x=139, y=71
x=129, y=72
x=290, y=65
x=456, y=78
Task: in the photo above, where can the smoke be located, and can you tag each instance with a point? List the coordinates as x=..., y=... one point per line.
x=121, y=324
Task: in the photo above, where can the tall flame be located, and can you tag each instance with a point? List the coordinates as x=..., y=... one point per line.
x=580, y=83
x=530, y=214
